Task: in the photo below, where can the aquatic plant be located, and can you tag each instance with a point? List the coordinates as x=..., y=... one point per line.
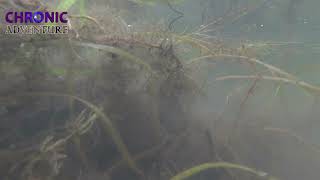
x=225, y=165
x=108, y=125
x=67, y=4
x=153, y=2
x=121, y=102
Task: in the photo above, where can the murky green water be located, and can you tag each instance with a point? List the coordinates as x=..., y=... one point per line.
x=162, y=89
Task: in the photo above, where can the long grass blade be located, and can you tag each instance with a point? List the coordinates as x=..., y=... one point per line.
x=203, y=167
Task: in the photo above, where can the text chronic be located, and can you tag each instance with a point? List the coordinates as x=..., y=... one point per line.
x=36, y=17
x=36, y=22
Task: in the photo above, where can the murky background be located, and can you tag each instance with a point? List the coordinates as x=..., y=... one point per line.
x=163, y=89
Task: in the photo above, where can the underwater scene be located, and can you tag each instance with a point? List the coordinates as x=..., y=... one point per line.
x=159, y=90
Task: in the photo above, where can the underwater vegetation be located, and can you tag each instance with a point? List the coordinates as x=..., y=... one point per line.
x=120, y=100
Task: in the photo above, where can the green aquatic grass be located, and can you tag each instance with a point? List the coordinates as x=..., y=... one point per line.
x=225, y=165
x=284, y=76
x=153, y=2
x=67, y=4
x=179, y=39
x=82, y=7
x=298, y=138
x=313, y=90
x=108, y=125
